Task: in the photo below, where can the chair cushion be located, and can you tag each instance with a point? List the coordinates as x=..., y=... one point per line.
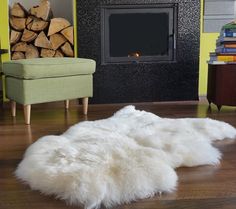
x=48, y=67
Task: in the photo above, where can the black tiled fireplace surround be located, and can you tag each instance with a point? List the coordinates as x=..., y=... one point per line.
x=142, y=82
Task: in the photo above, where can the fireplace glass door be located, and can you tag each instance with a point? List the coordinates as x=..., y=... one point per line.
x=138, y=33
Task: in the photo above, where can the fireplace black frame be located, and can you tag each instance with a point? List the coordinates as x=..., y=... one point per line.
x=107, y=10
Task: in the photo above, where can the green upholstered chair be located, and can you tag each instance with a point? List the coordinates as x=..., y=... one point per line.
x=40, y=80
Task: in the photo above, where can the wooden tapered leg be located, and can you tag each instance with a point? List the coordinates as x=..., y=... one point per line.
x=219, y=107
x=13, y=108
x=85, y=105
x=27, y=109
x=67, y=103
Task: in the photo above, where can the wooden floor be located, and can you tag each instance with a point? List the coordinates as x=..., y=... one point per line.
x=204, y=187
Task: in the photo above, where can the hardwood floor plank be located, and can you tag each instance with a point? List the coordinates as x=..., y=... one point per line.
x=203, y=187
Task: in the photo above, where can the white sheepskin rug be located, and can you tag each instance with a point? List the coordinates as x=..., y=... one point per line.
x=128, y=156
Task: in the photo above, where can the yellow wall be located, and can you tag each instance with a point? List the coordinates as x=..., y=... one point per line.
x=4, y=31
x=4, y=40
x=207, y=45
x=75, y=28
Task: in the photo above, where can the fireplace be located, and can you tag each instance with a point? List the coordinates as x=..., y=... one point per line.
x=138, y=78
x=138, y=33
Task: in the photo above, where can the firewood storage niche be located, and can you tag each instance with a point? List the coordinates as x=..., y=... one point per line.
x=41, y=28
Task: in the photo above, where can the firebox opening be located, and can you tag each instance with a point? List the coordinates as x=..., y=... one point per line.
x=136, y=34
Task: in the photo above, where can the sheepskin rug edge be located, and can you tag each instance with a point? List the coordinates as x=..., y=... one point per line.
x=129, y=156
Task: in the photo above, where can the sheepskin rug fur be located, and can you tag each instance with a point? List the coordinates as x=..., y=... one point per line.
x=128, y=156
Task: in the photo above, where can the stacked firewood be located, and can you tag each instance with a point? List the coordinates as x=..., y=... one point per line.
x=35, y=33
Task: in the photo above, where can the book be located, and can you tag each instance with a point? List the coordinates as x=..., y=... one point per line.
x=225, y=50
x=225, y=39
x=222, y=57
x=231, y=25
x=227, y=45
x=217, y=62
x=229, y=30
x=228, y=33
x=222, y=46
x=221, y=54
x=230, y=45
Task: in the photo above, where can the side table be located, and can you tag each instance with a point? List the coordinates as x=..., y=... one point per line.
x=221, y=88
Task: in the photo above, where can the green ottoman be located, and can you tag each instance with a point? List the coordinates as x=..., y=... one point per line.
x=33, y=81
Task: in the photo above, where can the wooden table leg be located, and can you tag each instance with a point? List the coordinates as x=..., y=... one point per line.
x=67, y=103
x=85, y=105
x=27, y=110
x=13, y=108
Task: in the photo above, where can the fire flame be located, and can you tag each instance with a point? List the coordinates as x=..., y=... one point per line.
x=134, y=54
